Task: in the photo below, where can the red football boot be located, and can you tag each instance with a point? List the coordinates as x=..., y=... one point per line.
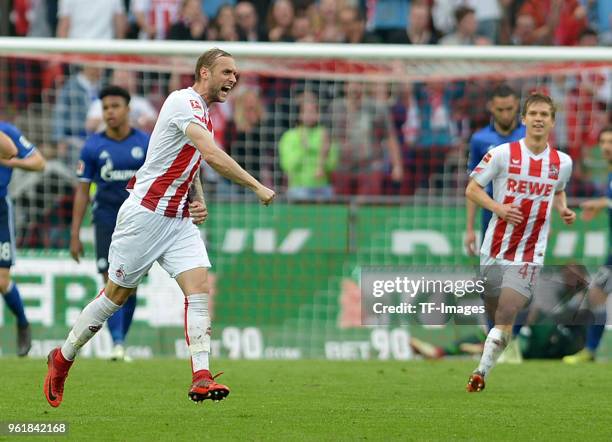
x=57, y=373
x=476, y=383
x=204, y=387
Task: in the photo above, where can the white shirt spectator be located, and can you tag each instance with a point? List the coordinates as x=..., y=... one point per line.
x=90, y=19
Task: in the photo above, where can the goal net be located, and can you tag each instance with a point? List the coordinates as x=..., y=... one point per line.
x=285, y=278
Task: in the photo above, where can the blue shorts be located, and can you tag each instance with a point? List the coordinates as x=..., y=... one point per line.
x=104, y=234
x=7, y=233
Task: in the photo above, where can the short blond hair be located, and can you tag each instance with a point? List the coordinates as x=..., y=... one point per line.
x=208, y=59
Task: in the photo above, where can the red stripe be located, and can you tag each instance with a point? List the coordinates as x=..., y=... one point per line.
x=519, y=230
x=554, y=164
x=187, y=334
x=535, y=233
x=161, y=184
x=500, y=229
x=131, y=183
x=514, y=166
x=535, y=167
x=175, y=201
x=100, y=294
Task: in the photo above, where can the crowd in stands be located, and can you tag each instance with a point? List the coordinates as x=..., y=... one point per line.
x=317, y=139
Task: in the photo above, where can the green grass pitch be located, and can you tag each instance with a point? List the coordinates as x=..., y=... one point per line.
x=316, y=400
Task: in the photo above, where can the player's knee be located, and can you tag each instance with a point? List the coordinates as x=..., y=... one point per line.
x=5, y=283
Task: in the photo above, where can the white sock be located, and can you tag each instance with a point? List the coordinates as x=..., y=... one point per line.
x=88, y=323
x=197, y=330
x=494, y=346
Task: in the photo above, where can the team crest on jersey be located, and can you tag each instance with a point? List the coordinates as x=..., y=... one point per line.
x=487, y=158
x=137, y=152
x=120, y=272
x=104, y=155
x=195, y=104
x=553, y=172
x=80, y=169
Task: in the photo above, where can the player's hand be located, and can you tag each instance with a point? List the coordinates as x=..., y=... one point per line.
x=470, y=242
x=511, y=214
x=76, y=248
x=589, y=210
x=198, y=212
x=265, y=195
x=568, y=216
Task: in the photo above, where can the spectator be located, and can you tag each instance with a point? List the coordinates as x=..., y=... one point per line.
x=545, y=14
x=142, y=113
x=154, y=17
x=572, y=21
x=488, y=16
x=248, y=139
x=306, y=155
x=329, y=30
x=352, y=22
x=363, y=128
x=419, y=32
x=280, y=19
x=247, y=22
x=102, y=19
x=301, y=30
x=72, y=104
x=224, y=25
x=465, y=34
x=191, y=24
x=523, y=33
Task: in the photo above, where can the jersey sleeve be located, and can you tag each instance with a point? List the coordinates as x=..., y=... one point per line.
x=475, y=155
x=489, y=167
x=564, y=174
x=86, y=167
x=25, y=147
x=184, y=110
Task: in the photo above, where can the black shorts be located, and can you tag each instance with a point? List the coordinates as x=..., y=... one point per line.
x=104, y=235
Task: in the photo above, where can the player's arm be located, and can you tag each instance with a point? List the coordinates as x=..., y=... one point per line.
x=7, y=147
x=470, y=206
x=34, y=162
x=508, y=212
x=197, y=206
x=79, y=207
x=591, y=208
x=224, y=164
x=560, y=204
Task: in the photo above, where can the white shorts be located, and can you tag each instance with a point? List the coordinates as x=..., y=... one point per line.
x=142, y=237
x=519, y=276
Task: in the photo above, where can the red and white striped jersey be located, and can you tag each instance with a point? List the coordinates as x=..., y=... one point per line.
x=163, y=181
x=526, y=180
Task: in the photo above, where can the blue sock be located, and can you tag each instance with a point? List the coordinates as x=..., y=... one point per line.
x=490, y=325
x=115, y=325
x=128, y=313
x=15, y=304
x=593, y=337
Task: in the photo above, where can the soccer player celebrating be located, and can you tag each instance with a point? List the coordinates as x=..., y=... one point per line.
x=529, y=179
x=157, y=223
x=16, y=151
x=108, y=159
x=601, y=286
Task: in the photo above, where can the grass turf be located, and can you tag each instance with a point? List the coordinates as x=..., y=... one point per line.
x=317, y=400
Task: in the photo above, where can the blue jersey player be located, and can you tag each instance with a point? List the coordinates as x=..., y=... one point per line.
x=505, y=127
x=18, y=152
x=108, y=159
x=601, y=285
